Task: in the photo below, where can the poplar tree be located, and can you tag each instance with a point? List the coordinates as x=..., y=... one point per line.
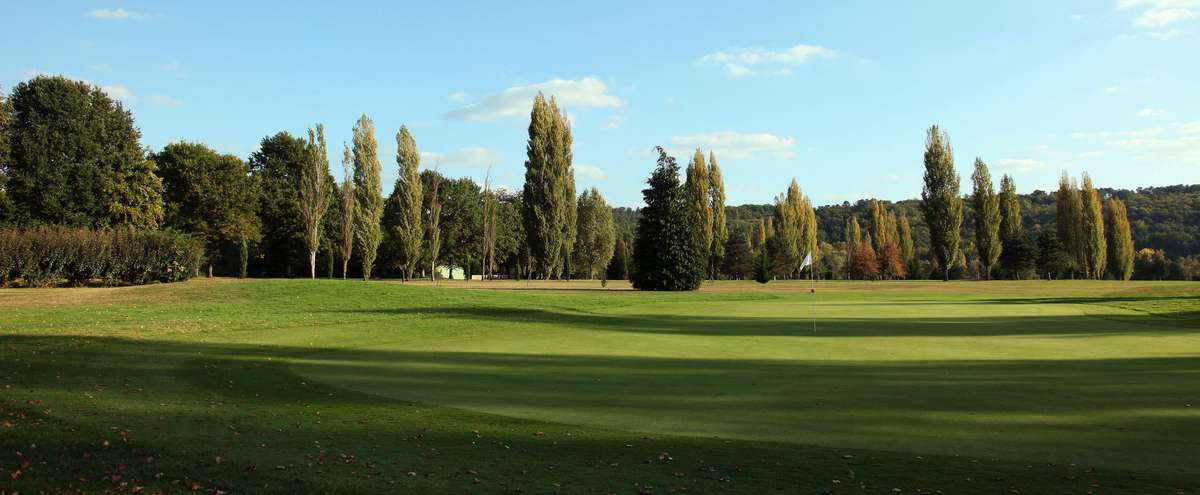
x=986, y=208
x=548, y=198
x=313, y=199
x=907, y=254
x=1094, y=246
x=940, y=202
x=408, y=198
x=853, y=236
x=720, y=230
x=1010, y=209
x=1120, y=240
x=697, y=186
x=1069, y=222
x=597, y=234
x=346, y=244
x=368, y=194
x=434, y=230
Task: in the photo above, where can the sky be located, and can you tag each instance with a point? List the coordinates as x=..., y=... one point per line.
x=837, y=95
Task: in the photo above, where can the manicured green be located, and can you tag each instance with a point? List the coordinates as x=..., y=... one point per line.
x=344, y=386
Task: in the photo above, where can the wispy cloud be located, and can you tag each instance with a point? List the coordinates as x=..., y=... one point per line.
x=740, y=62
x=1016, y=165
x=1151, y=112
x=119, y=92
x=1175, y=144
x=1156, y=15
x=737, y=145
x=165, y=101
x=469, y=157
x=116, y=15
x=457, y=96
x=589, y=172
x=516, y=101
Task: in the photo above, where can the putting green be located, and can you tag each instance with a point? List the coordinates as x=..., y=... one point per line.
x=997, y=370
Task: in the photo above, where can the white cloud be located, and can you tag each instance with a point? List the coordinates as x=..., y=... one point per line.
x=1157, y=18
x=165, y=101
x=1165, y=35
x=115, y=14
x=469, y=157
x=1014, y=165
x=589, y=172
x=1177, y=144
x=457, y=96
x=737, y=145
x=739, y=62
x=516, y=101
x=119, y=92
x=1151, y=112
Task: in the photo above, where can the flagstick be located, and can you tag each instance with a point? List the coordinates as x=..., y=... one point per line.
x=812, y=302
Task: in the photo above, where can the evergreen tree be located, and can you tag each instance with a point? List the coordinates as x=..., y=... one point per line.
x=1019, y=256
x=348, y=203
x=368, y=194
x=698, y=189
x=596, y=240
x=668, y=247
x=720, y=231
x=618, y=266
x=313, y=198
x=762, y=266
x=74, y=158
x=1052, y=257
x=1010, y=209
x=1094, y=246
x=1069, y=223
x=940, y=202
x=987, y=218
x=1120, y=240
x=407, y=200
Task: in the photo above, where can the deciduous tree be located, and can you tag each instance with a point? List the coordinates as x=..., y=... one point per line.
x=1120, y=240
x=313, y=198
x=940, y=202
x=987, y=218
x=368, y=194
x=596, y=240
x=1094, y=245
x=348, y=203
x=720, y=229
x=406, y=199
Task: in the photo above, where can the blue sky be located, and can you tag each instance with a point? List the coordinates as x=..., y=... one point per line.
x=835, y=94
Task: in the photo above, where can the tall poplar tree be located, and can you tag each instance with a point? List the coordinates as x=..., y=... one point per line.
x=368, y=194
x=434, y=231
x=408, y=229
x=346, y=243
x=1069, y=222
x=907, y=252
x=697, y=186
x=853, y=236
x=313, y=198
x=1120, y=240
x=1094, y=245
x=720, y=229
x=548, y=198
x=986, y=208
x=940, y=202
x=1010, y=209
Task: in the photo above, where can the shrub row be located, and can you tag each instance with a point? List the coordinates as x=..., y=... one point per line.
x=50, y=256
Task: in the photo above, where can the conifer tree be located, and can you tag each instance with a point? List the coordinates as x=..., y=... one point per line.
x=668, y=247
x=1069, y=222
x=313, y=200
x=346, y=244
x=940, y=202
x=698, y=188
x=1120, y=240
x=1010, y=209
x=987, y=218
x=368, y=194
x=720, y=231
x=1094, y=245
x=408, y=230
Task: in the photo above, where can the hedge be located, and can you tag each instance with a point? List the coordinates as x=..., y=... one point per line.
x=51, y=256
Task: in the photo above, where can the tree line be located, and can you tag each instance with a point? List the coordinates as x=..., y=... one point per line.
x=72, y=156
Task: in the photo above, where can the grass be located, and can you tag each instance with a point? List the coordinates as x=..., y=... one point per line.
x=330, y=386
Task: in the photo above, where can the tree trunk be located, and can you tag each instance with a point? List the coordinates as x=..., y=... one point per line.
x=946, y=274
x=210, y=270
x=345, y=266
x=312, y=264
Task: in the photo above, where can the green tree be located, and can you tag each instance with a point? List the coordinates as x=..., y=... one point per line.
x=940, y=202
x=1052, y=257
x=347, y=201
x=406, y=200
x=720, y=228
x=1069, y=223
x=313, y=198
x=434, y=218
x=667, y=249
x=6, y=122
x=549, y=195
x=853, y=235
x=461, y=206
x=762, y=267
x=1120, y=240
x=75, y=158
x=986, y=207
x=1094, y=245
x=1010, y=209
x=209, y=195
x=597, y=235
x=276, y=166
x=1019, y=256
x=698, y=188
x=368, y=194
x=907, y=251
